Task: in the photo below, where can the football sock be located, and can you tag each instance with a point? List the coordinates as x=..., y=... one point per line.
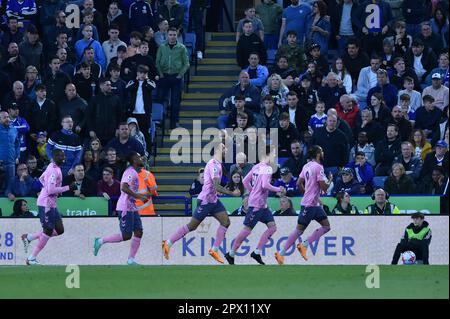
x=232, y=253
x=116, y=238
x=291, y=240
x=220, y=235
x=239, y=239
x=180, y=233
x=135, y=243
x=43, y=239
x=265, y=237
x=318, y=233
x=257, y=251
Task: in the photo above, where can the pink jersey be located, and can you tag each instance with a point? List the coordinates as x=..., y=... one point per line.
x=312, y=173
x=257, y=182
x=213, y=169
x=51, y=181
x=126, y=203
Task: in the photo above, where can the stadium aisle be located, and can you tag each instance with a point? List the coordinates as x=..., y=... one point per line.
x=216, y=72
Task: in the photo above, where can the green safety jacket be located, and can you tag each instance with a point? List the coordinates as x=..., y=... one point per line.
x=389, y=209
x=421, y=233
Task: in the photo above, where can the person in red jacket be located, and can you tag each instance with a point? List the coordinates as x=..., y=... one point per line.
x=348, y=110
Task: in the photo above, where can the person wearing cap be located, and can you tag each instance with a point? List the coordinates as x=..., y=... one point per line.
x=438, y=91
x=421, y=58
x=442, y=69
x=22, y=126
x=437, y=158
x=363, y=170
x=346, y=183
x=104, y=113
x=306, y=100
x=417, y=238
x=288, y=181
x=381, y=205
x=319, y=60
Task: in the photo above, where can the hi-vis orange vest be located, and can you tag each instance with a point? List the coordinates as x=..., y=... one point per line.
x=147, y=186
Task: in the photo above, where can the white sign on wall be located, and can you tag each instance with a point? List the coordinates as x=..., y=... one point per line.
x=352, y=240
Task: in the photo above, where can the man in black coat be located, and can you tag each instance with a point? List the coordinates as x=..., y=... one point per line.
x=334, y=144
x=404, y=126
x=249, y=42
x=287, y=132
x=296, y=161
x=354, y=59
x=139, y=94
x=387, y=150
x=104, y=113
x=72, y=104
x=43, y=116
x=86, y=187
x=56, y=80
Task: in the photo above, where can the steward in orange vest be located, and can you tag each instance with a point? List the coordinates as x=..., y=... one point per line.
x=147, y=186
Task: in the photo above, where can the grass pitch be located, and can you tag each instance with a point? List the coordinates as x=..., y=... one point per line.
x=229, y=282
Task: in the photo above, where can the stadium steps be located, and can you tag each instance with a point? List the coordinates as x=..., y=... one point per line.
x=215, y=73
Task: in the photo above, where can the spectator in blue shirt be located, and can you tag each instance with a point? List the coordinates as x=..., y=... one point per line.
x=347, y=183
x=23, y=184
x=9, y=150
x=88, y=41
x=388, y=90
x=295, y=18
x=288, y=181
x=363, y=172
x=140, y=15
x=319, y=26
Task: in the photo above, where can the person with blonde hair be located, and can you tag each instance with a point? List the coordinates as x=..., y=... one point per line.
x=398, y=182
x=277, y=89
x=31, y=81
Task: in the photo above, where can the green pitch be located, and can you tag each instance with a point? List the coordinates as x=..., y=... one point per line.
x=228, y=282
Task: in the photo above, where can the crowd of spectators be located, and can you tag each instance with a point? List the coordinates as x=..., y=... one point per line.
x=375, y=98
x=84, y=81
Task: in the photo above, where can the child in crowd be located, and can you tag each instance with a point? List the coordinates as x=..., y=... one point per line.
x=408, y=112
x=319, y=119
x=415, y=97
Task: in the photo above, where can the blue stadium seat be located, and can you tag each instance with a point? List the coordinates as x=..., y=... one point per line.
x=271, y=57
x=281, y=160
x=190, y=41
x=378, y=181
x=157, y=120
